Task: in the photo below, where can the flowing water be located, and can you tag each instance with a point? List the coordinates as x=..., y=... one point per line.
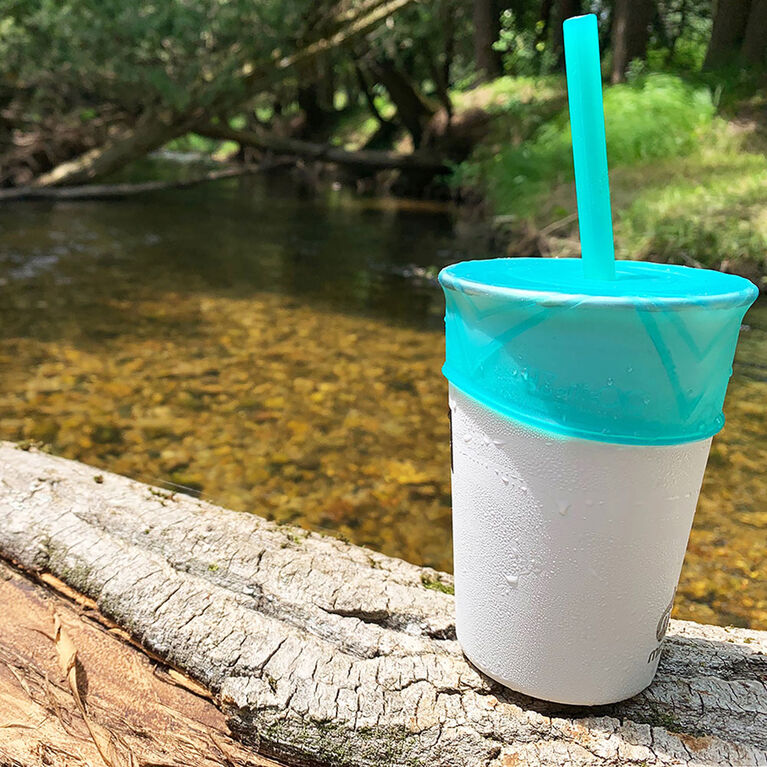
x=279, y=352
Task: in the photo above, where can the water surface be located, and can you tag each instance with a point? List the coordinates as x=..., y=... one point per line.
x=272, y=350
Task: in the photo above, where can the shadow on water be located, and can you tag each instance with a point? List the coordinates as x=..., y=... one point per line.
x=236, y=237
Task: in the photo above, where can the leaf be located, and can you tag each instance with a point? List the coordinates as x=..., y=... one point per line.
x=114, y=752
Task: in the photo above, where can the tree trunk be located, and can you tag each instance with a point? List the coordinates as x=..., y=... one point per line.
x=727, y=33
x=755, y=38
x=120, y=191
x=487, y=28
x=313, y=114
x=413, y=110
x=630, y=34
x=148, y=135
x=563, y=9
x=544, y=16
x=324, y=653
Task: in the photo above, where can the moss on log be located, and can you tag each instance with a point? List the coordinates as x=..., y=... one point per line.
x=325, y=653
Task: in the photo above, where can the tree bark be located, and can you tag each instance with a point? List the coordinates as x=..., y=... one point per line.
x=148, y=135
x=630, y=34
x=136, y=710
x=119, y=191
x=755, y=37
x=730, y=20
x=326, y=653
x=563, y=9
x=487, y=29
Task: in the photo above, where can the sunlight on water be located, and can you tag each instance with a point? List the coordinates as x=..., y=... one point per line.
x=282, y=356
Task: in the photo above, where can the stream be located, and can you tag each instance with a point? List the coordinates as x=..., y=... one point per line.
x=277, y=350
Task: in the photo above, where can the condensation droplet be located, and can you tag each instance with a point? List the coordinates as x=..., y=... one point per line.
x=610, y=382
x=504, y=479
x=564, y=507
x=512, y=579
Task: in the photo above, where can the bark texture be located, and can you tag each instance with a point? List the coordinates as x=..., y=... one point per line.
x=755, y=37
x=118, y=191
x=135, y=712
x=422, y=161
x=326, y=653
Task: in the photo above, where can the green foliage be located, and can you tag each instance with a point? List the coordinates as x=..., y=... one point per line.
x=141, y=55
x=523, y=53
x=650, y=118
x=711, y=210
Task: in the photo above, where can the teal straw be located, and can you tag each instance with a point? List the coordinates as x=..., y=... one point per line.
x=587, y=119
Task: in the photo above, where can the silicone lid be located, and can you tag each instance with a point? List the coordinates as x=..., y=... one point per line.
x=642, y=359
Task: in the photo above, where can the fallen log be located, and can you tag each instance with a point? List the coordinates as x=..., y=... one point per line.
x=421, y=161
x=323, y=653
x=119, y=191
x=134, y=711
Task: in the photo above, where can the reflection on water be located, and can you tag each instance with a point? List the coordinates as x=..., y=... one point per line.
x=266, y=351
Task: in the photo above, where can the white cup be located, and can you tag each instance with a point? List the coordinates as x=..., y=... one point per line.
x=567, y=553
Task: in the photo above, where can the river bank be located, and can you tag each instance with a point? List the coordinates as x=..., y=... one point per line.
x=688, y=172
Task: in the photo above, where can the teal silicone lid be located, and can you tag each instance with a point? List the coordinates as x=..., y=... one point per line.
x=642, y=359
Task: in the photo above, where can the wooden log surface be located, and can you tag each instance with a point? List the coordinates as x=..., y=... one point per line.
x=324, y=653
x=134, y=711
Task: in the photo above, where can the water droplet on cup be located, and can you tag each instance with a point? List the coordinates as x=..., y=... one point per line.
x=512, y=580
x=610, y=382
x=564, y=507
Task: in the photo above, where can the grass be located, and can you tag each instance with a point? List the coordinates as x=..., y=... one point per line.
x=686, y=186
x=712, y=208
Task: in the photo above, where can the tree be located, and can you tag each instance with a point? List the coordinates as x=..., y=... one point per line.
x=630, y=34
x=563, y=9
x=134, y=75
x=487, y=29
x=755, y=37
x=728, y=32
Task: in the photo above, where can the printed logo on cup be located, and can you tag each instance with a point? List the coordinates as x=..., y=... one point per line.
x=662, y=628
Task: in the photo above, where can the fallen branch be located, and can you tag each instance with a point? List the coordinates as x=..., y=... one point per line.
x=116, y=191
x=326, y=653
x=363, y=159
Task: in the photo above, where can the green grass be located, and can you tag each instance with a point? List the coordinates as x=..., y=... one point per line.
x=686, y=187
x=657, y=117
x=713, y=208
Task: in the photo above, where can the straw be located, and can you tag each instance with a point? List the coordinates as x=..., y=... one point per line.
x=587, y=119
